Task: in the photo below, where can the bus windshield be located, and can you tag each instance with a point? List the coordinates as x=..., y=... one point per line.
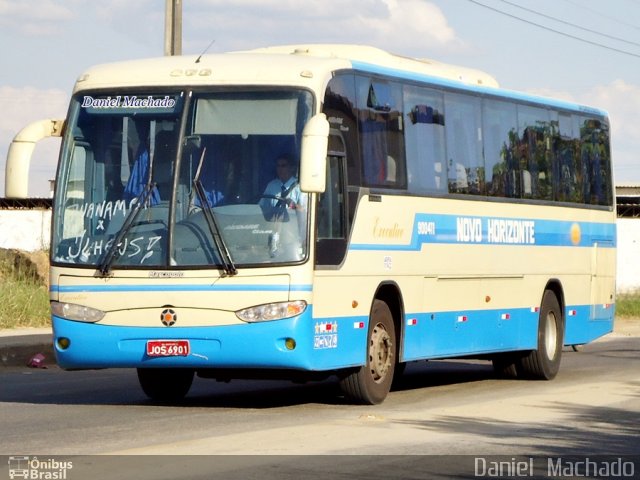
x=182, y=179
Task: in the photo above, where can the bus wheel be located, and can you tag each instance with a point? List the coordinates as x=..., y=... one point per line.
x=165, y=384
x=371, y=383
x=544, y=362
x=505, y=365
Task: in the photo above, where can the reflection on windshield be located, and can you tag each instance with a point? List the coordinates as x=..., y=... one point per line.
x=233, y=144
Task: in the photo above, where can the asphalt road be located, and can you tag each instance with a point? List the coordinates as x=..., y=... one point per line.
x=440, y=408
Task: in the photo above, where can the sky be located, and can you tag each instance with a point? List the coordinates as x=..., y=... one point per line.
x=585, y=51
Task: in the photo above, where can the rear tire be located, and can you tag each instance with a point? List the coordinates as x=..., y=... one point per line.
x=506, y=365
x=544, y=362
x=371, y=383
x=165, y=384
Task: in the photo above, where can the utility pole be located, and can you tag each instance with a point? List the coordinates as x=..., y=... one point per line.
x=173, y=27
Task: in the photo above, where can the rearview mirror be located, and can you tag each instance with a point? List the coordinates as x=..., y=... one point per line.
x=313, y=156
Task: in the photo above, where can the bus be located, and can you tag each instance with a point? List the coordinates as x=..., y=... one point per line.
x=428, y=214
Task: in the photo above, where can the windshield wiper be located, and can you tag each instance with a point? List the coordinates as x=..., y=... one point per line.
x=212, y=223
x=110, y=253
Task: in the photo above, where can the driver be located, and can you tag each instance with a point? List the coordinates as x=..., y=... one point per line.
x=284, y=190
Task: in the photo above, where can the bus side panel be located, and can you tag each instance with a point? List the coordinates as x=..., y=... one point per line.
x=580, y=328
x=467, y=332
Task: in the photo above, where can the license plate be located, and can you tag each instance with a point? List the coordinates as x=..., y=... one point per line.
x=168, y=348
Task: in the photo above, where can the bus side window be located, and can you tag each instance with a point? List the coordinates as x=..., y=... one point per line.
x=465, y=160
x=381, y=126
x=500, y=131
x=424, y=140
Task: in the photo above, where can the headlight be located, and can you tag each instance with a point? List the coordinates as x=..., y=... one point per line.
x=79, y=313
x=272, y=311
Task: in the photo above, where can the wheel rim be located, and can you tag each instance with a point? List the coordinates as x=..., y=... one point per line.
x=551, y=335
x=380, y=353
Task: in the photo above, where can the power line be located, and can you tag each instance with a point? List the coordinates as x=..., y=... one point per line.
x=564, y=34
x=570, y=24
x=604, y=15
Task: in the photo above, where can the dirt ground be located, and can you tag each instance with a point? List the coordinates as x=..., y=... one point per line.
x=629, y=327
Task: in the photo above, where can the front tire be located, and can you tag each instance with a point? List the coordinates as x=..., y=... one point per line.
x=165, y=384
x=371, y=383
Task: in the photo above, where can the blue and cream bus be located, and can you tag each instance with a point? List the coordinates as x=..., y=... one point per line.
x=436, y=216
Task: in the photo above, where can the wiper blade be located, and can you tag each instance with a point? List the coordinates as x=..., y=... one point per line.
x=212, y=223
x=110, y=253
x=214, y=228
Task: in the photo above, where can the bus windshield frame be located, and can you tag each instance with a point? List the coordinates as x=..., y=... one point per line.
x=182, y=179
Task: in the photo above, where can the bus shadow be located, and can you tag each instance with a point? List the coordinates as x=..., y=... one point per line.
x=265, y=394
x=120, y=387
x=438, y=373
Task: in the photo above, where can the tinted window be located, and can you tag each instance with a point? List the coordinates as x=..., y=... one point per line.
x=381, y=126
x=425, y=140
x=465, y=165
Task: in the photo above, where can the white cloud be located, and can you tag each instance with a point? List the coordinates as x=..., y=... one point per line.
x=34, y=17
x=412, y=27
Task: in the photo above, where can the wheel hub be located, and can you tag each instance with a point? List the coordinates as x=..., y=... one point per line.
x=380, y=353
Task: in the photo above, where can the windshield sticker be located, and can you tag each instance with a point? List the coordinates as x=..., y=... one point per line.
x=126, y=101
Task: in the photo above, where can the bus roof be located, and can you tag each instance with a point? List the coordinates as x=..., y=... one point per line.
x=211, y=69
x=379, y=57
x=305, y=65
x=302, y=62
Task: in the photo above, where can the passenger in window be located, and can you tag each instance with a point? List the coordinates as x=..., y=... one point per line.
x=214, y=197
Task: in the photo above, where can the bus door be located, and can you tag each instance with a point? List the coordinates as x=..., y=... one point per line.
x=331, y=218
x=602, y=281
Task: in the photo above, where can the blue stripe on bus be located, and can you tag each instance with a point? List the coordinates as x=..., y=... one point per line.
x=482, y=90
x=178, y=288
x=468, y=332
x=477, y=230
x=326, y=343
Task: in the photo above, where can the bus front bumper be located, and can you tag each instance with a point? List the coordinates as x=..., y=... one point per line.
x=300, y=343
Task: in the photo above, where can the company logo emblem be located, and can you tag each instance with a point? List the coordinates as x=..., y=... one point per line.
x=575, y=233
x=168, y=317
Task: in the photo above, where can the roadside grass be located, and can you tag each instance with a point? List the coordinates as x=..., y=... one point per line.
x=24, y=295
x=628, y=305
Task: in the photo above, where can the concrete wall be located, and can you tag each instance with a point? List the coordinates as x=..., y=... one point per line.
x=30, y=230
x=628, y=273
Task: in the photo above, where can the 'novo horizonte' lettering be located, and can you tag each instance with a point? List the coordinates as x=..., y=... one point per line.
x=496, y=230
